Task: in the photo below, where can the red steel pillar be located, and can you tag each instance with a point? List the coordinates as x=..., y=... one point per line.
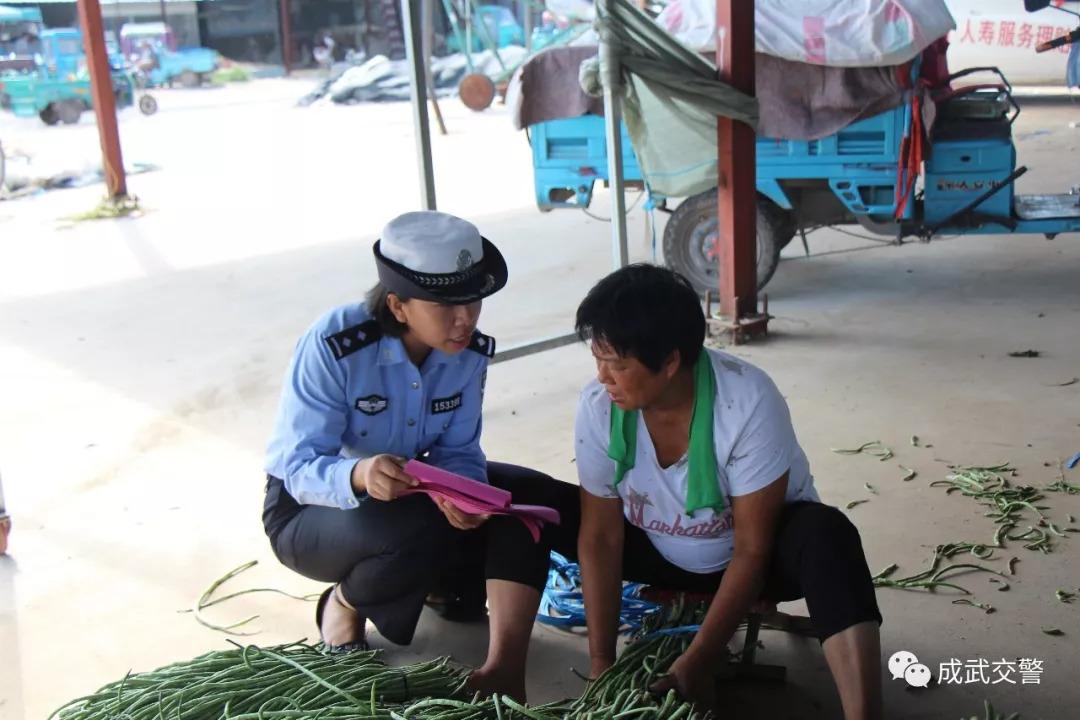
x=101, y=89
x=286, y=36
x=737, y=199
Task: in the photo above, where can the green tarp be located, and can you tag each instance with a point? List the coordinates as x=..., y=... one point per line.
x=671, y=98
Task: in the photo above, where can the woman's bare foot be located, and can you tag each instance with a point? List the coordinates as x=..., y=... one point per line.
x=489, y=680
x=341, y=623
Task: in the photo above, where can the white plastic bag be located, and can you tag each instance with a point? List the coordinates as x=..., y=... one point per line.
x=693, y=22
x=838, y=33
x=571, y=9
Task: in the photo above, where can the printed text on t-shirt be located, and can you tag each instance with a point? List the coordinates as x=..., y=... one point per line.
x=714, y=527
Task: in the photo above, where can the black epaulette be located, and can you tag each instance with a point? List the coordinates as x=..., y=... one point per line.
x=483, y=344
x=352, y=339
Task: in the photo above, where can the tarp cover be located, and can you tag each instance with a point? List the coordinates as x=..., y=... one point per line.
x=671, y=100
x=838, y=33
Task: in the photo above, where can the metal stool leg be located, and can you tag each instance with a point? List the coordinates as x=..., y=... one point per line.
x=753, y=627
x=746, y=668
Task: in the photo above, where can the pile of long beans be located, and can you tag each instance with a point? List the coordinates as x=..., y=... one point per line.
x=936, y=576
x=288, y=681
x=301, y=682
x=990, y=486
x=623, y=690
x=625, y=685
x=1007, y=505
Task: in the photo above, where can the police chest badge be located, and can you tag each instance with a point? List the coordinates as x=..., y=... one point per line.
x=445, y=405
x=371, y=405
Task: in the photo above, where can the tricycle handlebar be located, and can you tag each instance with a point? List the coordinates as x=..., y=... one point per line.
x=1058, y=41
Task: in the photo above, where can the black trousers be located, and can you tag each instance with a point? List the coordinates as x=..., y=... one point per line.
x=388, y=556
x=817, y=555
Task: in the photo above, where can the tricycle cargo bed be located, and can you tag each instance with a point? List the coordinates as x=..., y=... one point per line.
x=859, y=161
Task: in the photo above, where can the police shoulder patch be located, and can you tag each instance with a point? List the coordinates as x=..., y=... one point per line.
x=353, y=339
x=483, y=344
x=372, y=404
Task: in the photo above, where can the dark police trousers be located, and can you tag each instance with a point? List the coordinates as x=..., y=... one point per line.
x=389, y=555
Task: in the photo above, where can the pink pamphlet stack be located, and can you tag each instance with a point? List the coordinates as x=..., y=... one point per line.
x=477, y=498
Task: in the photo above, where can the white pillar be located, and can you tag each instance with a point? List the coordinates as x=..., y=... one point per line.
x=612, y=81
x=412, y=14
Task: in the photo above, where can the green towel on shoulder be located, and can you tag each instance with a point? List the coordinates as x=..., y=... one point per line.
x=703, y=483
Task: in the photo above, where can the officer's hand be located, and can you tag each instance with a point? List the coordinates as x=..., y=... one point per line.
x=382, y=477
x=457, y=518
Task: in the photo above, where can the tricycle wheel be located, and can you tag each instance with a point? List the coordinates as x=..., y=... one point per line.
x=189, y=79
x=691, y=235
x=147, y=105
x=49, y=115
x=69, y=111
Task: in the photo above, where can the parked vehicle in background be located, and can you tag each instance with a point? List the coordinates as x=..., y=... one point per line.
x=57, y=90
x=501, y=25
x=132, y=36
x=20, y=33
x=64, y=100
x=152, y=51
x=63, y=55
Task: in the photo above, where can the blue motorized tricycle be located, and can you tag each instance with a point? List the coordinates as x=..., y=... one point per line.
x=57, y=89
x=961, y=180
x=156, y=60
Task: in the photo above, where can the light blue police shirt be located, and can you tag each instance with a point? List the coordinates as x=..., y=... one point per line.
x=352, y=393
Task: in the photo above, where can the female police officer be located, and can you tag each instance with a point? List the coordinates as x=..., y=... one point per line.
x=369, y=386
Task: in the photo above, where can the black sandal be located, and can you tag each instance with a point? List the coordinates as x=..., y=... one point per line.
x=355, y=646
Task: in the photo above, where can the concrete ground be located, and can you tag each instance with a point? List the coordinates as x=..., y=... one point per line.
x=142, y=360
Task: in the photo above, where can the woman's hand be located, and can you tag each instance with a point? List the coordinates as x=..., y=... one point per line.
x=457, y=518
x=692, y=680
x=382, y=477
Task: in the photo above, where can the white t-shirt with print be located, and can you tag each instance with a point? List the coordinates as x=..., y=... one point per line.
x=755, y=445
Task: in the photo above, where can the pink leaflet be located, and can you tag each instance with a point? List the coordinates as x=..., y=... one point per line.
x=431, y=476
x=540, y=512
x=476, y=498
